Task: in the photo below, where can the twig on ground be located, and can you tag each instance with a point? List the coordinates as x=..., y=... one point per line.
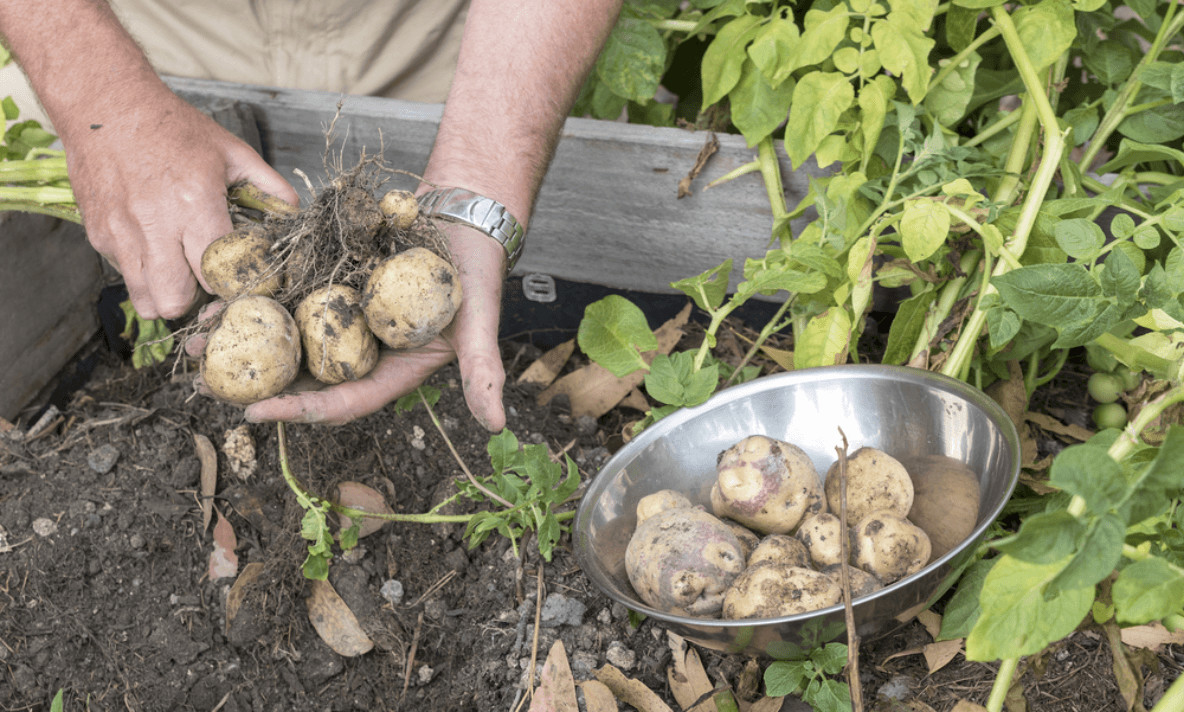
x=845, y=578
x=411, y=656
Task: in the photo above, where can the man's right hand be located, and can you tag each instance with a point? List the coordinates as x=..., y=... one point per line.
x=151, y=186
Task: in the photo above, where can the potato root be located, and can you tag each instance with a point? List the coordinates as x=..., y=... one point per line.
x=889, y=546
x=411, y=297
x=766, y=484
x=875, y=481
x=773, y=590
x=338, y=346
x=682, y=560
x=239, y=263
x=253, y=352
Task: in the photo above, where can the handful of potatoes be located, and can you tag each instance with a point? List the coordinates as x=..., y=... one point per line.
x=771, y=544
x=258, y=342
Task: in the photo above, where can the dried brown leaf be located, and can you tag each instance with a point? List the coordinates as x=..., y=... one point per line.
x=547, y=367
x=365, y=498
x=766, y=704
x=557, y=687
x=705, y=153
x=208, y=457
x=1152, y=636
x=223, y=560
x=931, y=621
x=687, y=679
x=630, y=691
x=938, y=655
x=1048, y=423
x=238, y=591
x=967, y=706
x=597, y=696
x=593, y=390
x=781, y=357
x=334, y=621
x=1130, y=682
x=636, y=400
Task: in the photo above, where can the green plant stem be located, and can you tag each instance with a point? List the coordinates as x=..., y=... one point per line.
x=770, y=326
x=950, y=293
x=44, y=194
x=1118, y=110
x=771, y=173
x=955, y=61
x=751, y=167
x=36, y=170
x=1136, y=357
x=1002, y=684
x=60, y=210
x=1173, y=699
x=672, y=25
x=1001, y=124
x=246, y=195
x=456, y=456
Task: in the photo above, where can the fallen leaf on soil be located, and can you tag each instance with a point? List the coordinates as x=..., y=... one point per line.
x=223, y=560
x=593, y=390
x=687, y=678
x=208, y=458
x=767, y=704
x=636, y=400
x=367, y=499
x=1012, y=395
x=630, y=691
x=1130, y=682
x=918, y=706
x=938, y=655
x=903, y=654
x=234, y=599
x=1052, y=425
x=334, y=621
x=557, y=687
x=239, y=448
x=931, y=621
x=547, y=367
x=781, y=357
x=597, y=696
x=1152, y=636
x=964, y=706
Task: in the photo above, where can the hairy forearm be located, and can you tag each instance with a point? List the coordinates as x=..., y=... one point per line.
x=520, y=68
x=81, y=62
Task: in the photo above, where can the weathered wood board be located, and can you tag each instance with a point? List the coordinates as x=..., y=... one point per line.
x=50, y=279
x=608, y=211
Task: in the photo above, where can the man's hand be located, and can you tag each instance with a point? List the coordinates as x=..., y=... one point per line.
x=471, y=339
x=151, y=187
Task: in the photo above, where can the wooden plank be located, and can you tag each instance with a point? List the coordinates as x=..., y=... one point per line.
x=608, y=211
x=49, y=283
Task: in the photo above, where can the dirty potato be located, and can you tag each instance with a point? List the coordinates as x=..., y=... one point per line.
x=338, y=346
x=253, y=352
x=411, y=297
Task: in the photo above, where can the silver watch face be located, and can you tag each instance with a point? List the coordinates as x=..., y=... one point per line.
x=485, y=214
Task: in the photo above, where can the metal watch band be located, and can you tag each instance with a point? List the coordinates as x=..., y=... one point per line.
x=485, y=214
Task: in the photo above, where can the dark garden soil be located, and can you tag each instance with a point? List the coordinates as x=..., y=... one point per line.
x=105, y=591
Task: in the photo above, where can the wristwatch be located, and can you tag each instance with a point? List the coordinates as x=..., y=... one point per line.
x=485, y=214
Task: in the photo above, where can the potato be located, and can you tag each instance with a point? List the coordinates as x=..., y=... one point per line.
x=660, y=501
x=400, y=208
x=773, y=590
x=862, y=583
x=766, y=484
x=889, y=546
x=822, y=534
x=875, y=481
x=253, y=352
x=338, y=346
x=748, y=539
x=780, y=549
x=411, y=297
x=945, y=501
x=240, y=263
x=682, y=560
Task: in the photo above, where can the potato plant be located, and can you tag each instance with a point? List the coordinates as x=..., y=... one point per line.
x=1016, y=168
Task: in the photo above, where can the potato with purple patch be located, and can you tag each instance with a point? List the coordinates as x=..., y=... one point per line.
x=660, y=501
x=682, y=561
x=766, y=484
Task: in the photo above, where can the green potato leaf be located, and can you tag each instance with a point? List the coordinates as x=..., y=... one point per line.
x=948, y=100
x=819, y=99
x=774, y=49
x=825, y=340
x=758, y=107
x=904, y=51
x=614, y=333
x=724, y=58
x=1147, y=590
x=708, y=289
x=924, y=227
x=633, y=59
x=1080, y=238
x=1046, y=29
x=672, y=380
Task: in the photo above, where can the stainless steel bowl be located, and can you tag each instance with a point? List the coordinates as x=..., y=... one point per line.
x=908, y=413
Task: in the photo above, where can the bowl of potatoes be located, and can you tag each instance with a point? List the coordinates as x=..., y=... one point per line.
x=724, y=522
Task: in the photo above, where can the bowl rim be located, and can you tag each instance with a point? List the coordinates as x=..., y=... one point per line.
x=953, y=386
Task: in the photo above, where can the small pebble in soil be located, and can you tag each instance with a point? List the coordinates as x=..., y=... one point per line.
x=425, y=674
x=44, y=527
x=417, y=434
x=392, y=591
x=583, y=664
x=560, y=610
x=620, y=656
x=136, y=541
x=354, y=555
x=103, y=458
x=587, y=425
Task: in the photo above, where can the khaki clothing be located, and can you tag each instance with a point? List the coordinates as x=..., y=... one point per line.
x=404, y=49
